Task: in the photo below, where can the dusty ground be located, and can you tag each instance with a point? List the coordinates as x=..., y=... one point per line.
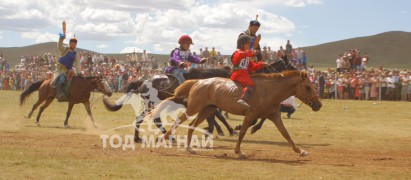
x=346, y=140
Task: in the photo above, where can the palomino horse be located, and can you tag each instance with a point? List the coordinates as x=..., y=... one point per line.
x=80, y=90
x=166, y=87
x=204, y=96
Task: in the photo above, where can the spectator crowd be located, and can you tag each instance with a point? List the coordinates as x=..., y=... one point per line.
x=351, y=79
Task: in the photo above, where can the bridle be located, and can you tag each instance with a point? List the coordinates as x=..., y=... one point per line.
x=314, y=95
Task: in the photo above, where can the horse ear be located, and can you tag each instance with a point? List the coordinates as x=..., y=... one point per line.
x=303, y=75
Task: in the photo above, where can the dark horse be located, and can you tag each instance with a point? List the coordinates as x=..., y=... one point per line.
x=166, y=87
x=80, y=90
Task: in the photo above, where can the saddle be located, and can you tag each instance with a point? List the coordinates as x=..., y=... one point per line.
x=66, y=88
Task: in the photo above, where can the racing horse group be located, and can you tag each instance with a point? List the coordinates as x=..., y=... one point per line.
x=204, y=92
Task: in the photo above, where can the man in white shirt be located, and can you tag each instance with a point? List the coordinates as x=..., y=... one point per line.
x=390, y=86
x=288, y=106
x=340, y=63
x=144, y=56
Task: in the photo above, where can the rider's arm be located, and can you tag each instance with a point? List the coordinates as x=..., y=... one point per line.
x=193, y=59
x=77, y=63
x=62, y=49
x=175, y=57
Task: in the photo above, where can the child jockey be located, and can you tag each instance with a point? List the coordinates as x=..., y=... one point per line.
x=179, y=55
x=241, y=60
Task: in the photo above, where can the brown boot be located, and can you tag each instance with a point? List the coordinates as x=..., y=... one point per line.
x=244, y=97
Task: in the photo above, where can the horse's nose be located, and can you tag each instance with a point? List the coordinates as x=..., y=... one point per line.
x=319, y=106
x=109, y=94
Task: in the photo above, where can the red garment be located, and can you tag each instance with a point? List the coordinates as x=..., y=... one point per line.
x=242, y=64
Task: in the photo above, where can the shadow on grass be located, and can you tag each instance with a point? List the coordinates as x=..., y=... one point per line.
x=272, y=143
x=58, y=127
x=250, y=158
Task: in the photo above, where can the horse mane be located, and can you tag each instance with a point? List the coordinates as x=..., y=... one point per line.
x=207, y=73
x=288, y=73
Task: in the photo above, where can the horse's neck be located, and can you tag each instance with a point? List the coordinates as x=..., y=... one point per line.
x=85, y=83
x=283, y=88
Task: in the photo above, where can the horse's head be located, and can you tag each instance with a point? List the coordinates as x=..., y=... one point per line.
x=102, y=86
x=277, y=67
x=307, y=93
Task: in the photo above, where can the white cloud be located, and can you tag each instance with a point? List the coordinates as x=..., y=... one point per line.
x=131, y=50
x=101, y=46
x=40, y=37
x=154, y=25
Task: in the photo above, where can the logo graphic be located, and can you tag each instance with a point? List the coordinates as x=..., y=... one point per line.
x=151, y=134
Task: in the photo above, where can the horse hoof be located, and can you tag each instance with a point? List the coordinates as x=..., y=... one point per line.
x=253, y=130
x=95, y=125
x=38, y=124
x=137, y=140
x=191, y=151
x=304, y=153
x=66, y=126
x=242, y=156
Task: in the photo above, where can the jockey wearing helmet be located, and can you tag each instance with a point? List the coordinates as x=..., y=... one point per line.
x=68, y=58
x=241, y=60
x=179, y=55
x=251, y=31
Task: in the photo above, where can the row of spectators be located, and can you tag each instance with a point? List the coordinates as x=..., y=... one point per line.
x=363, y=84
x=352, y=80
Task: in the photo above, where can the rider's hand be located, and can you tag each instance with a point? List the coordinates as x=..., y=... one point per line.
x=182, y=64
x=62, y=36
x=203, y=60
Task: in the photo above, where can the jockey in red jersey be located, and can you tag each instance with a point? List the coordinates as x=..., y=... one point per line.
x=242, y=62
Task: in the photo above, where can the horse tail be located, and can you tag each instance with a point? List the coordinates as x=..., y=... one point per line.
x=111, y=107
x=183, y=90
x=132, y=86
x=26, y=93
x=176, y=101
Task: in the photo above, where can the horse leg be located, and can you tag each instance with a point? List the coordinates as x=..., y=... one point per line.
x=246, y=123
x=90, y=115
x=37, y=104
x=178, y=121
x=258, y=126
x=276, y=118
x=224, y=121
x=206, y=112
x=210, y=122
x=42, y=108
x=159, y=125
x=70, y=107
x=139, y=120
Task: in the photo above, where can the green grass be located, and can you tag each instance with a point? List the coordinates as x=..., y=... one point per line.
x=366, y=140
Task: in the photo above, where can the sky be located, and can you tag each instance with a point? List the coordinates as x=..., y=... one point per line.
x=122, y=26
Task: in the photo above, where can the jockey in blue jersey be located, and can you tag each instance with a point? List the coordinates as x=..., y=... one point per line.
x=251, y=31
x=68, y=58
x=179, y=55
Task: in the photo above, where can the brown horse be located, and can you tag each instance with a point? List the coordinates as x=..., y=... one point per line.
x=204, y=96
x=80, y=90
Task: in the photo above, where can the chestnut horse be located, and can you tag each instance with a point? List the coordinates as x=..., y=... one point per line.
x=204, y=96
x=80, y=90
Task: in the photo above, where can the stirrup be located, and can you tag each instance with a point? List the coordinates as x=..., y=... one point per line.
x=242, y=102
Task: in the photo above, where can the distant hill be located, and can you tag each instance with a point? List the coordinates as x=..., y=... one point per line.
x=13, y=54
x=390, y=49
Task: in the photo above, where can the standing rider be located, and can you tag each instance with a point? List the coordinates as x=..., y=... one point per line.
x=179, y=55
x=68, y=57
x=251, y=31
x=242, y=62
